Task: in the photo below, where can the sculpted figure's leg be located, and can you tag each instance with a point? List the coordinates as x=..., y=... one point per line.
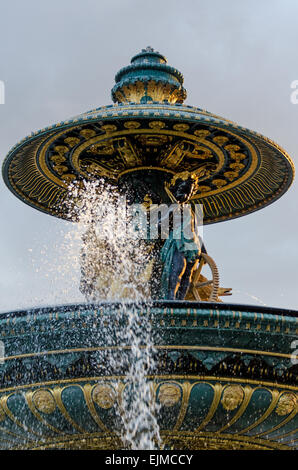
x=185, y=281
x=177, y=269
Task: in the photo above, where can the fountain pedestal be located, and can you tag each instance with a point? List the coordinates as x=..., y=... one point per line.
x=224, y=376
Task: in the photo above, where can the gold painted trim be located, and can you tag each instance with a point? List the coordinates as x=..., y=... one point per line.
x=280, y=425
x=250, y=170
x=57, y=391
x=198, y=378
x=42, y=150
x=127, y=132
x=275, y=394
x=248, y=391
x=186, y=390
x=38, y=416
x=217, y=388
x=226, y=437
x=54, y=188
x=159, y=347
x=10, y=414
x=87, y=390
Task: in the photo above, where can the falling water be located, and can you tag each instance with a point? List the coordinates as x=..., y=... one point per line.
x=115, y=266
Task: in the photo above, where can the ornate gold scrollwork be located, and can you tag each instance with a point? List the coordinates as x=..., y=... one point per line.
x=237, y=166
x=61, y=149
x=153, y=139
x=203, y=189
x=184, y=149
x=219, y=182
x=238, y=156
x=202, y=133
x=157, y=125
x=68, y=178
x=60, y=169
x=87, y=133
x=57, y=159
x=181, y=127
x=132, y=124
x=128, y=152
x=103, y=148
x=232, y=148
x=220, y=140
x=183, y=175
x=231, y=175
x=108, y=128
x=122, y=146
x=72, y=141
x=147, y=202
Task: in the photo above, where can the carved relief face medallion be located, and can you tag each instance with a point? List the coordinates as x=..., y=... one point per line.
x=286, y=404
x=44, y=401
x=232, y=397
x=169, y=394
x=104, y=396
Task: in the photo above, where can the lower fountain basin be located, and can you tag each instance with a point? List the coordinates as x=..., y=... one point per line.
x=224, y=375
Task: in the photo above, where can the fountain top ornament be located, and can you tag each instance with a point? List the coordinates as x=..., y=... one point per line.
x=149, y=133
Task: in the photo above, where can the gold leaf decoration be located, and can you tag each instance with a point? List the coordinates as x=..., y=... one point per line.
x=132, y=125
x=157, y=125
x=87, y=133
x=109, y=128
x=61, y=149
x=69, y=178
x=57, y=159
x=203, y=189
x=231, y=175
x=181, y=127
x=2, y=415
x=44, y=401
x=60, y=169
x=232, y=148
x=232, y=397
x=104, y=396
x=238, y=156
x=202, y=133
x=219, y=182
x=286, y=404
x=220, y=139
x=237, y=166
x=72, y=141
x=169, y=394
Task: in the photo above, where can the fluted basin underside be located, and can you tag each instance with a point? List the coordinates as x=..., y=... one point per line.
x=224, y=376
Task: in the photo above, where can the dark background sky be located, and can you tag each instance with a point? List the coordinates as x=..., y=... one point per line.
x=59, y=59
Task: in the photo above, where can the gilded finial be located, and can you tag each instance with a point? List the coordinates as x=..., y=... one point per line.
x=148, y=79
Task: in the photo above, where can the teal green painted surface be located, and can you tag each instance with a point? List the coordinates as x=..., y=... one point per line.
x=198, y=347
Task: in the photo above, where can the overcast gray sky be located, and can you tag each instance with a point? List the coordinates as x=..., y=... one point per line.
x=59, y=59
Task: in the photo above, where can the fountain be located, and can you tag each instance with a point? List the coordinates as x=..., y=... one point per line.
x=154, y=359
